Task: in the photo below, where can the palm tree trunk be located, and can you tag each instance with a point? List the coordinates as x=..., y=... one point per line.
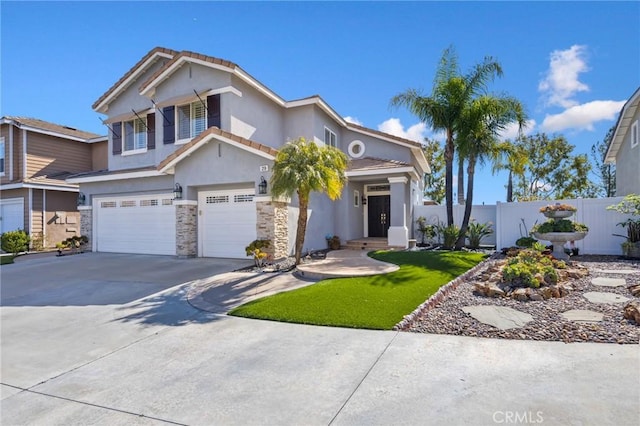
x=468, y=205
x=460, y=180
x=510, y=188
x=303, y=204
x=448, y=177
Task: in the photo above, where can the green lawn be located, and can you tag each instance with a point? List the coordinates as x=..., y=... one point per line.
x=376, y=302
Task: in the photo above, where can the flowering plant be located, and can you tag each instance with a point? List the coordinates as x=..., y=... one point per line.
x=557, y=207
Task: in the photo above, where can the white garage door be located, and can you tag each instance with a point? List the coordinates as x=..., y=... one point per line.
x=227, y=222
x=143, y=224
x=11, y=214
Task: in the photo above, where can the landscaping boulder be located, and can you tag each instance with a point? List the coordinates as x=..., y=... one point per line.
x=635, y=290
x=632, y=311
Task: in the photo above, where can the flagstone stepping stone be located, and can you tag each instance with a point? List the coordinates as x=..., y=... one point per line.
x=500, y=317
x=608, y=282
x=598, y=297
x=619, y=271
x=582, y=315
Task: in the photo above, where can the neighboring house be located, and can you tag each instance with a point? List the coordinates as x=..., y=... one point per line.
x=192, y=140
x=624, y=148
x=36, y=158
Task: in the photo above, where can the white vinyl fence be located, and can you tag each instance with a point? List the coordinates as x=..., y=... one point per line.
x=507, y=220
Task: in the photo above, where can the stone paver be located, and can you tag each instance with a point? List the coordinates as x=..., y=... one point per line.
x=608, y=282
x=500, y=317
x=582, y=315
x=599, y=297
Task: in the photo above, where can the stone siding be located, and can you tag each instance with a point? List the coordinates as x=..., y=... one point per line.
x=186, y=230
x=86, y=225
x=272, y=224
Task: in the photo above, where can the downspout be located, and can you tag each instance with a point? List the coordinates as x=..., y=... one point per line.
x=30, y=211
x=24, y=154
x=11, y=152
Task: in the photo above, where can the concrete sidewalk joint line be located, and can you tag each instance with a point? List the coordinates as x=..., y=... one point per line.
x=363, y=379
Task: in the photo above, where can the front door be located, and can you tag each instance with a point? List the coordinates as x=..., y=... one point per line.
x=379, y=207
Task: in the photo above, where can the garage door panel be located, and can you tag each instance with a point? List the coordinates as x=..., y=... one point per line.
x=139, y=225
x=11, y=214
x=227, y=223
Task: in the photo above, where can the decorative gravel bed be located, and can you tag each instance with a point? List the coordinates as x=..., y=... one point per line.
x=447, y=317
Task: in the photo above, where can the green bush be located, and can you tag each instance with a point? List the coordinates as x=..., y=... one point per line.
x=37, y=242
x=531, y=268
x=15, y=242
x=476, y=232
x=450, y=235
x=526, y=241
x=562, y=225
x=256, y=249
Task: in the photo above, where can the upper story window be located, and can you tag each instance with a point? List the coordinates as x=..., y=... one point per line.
x=191, y=120
x=135, y=134
x=2, y=156
x=634, y=134
x=329, y=137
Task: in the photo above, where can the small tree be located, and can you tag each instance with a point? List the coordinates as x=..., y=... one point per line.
x=302, y=167
x=15, y=242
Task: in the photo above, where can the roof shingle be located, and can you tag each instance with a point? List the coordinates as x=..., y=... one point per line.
x=52, y=127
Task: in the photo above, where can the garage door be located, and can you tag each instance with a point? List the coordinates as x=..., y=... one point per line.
x=144, y=224
x=227, y=222
x=11, y=214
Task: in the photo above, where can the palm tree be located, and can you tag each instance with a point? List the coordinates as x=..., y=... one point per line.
x=484, y=119
x=442, y=110
x=513, y=158
x=302, y=167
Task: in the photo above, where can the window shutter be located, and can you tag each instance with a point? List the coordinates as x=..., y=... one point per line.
x=168, y=125
x=116, y=132
x=151, y=131
x=213, y=111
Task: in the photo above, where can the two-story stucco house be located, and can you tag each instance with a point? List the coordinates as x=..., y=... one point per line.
x=192, y=140
x=35, y=159
x=624, y=148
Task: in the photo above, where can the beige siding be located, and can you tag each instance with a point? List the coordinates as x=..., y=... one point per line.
x=47, y=155
x=17, y=154
x=61, y=216
x=37, y=213
x=99, y=155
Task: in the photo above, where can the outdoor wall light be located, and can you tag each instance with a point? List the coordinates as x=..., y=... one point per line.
x=81, y=199
x=364, y=200
x=262, y=186
x=177, y=192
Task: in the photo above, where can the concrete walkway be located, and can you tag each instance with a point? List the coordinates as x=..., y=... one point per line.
x=344, y=263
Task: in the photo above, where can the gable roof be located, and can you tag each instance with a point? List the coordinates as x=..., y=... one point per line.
x=41, y=126
x=622, y=126
x=131, y=75
x=214, y=133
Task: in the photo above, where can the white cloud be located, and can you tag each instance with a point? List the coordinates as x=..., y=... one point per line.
x=511, y=132
x=393, y=126
x=561, y=82
x=581, y=117
x=353, y=120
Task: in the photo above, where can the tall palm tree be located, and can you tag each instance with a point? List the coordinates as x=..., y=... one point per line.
x=484, y=118
x=513, y=158
x=302, y=167
x=442, y=110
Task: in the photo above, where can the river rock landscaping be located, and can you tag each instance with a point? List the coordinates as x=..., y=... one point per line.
x=589, y=305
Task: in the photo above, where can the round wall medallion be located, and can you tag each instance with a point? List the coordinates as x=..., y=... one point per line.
x=356, y=149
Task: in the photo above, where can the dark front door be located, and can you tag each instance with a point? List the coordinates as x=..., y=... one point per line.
x=379, y=207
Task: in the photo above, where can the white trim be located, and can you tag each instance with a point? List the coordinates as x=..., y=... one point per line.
x=634, y=129
x=117, y=176
x=44, y=216
x=185, y=203
x=134, y=76
x=3, y=151
x=398, y=179
x=335, y=137
x=10, y=151
x=133, y=152
x=50, y=187
x=377, y=172
x=378, y=136
x=30, y=211
x=24, y=153
x=622, y=127
x=352, y=145
x=356, y=198
x=127, y=116
x=98, y=139
x=80, y=208
x=268, y=198
x=316, y=100
x=259, y=86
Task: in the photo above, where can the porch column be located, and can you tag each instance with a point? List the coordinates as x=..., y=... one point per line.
x=398, y=232
x=86, y=223
x=186, y=228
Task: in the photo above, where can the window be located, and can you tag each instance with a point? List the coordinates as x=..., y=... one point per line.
x=2, y=156
x=356, y=198
x=135, y=134
x=329, y=138
x=356, y=149
x=191, y=120
x=634, y=134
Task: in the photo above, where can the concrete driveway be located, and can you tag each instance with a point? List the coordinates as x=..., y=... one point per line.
x=109, y=339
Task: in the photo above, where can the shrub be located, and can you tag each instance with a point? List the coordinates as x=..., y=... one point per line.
x=450, y=235
x=558, y=208
x=562, y=225
x=526, y=241
x=426, y=231
x=531, y=268
x=15, y=242
x=255, y=249
x=476, y=232
x=37, y=242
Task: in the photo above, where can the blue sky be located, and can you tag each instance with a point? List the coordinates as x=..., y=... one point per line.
x=572, y=64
